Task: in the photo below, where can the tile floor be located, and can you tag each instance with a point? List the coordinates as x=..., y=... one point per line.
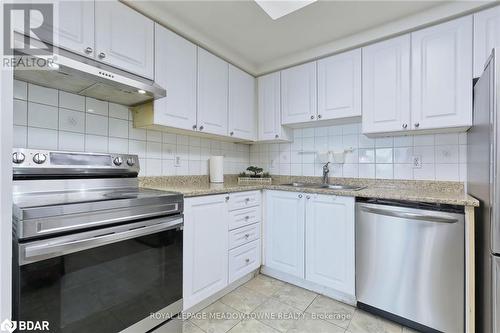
x=256, y=307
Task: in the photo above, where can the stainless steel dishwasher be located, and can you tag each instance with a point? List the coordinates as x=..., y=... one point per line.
x=410, y=263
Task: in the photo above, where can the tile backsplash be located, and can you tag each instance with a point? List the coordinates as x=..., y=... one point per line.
x=52, y=119
x=442, y=156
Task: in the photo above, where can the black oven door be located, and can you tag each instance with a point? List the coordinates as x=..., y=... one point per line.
x=102, y=280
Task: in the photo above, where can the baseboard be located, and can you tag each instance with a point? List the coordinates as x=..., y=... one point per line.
x=209, y=300
x=340, y=296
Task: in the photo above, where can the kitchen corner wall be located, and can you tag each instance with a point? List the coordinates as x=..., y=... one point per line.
x=55, y=120
x=443, y=156
x=50, y=119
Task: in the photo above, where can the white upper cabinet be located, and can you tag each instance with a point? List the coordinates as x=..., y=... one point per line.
x=124, y=38
x=339, y=86
x=212, y=93
x=330, y=242
x=298, y=94
x=242, y=112
x=386, y=86
x=269, y=109
x=175, y=70
x=74, y=27
x=486, y=37
x=284, y=233
x=205, y=264
x=442, y=75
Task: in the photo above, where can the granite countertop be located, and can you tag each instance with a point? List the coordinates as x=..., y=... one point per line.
x=422, y=191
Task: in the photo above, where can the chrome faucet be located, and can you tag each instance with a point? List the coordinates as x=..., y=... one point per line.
x=326, y=170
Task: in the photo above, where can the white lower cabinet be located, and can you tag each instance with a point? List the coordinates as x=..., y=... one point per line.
x=205, y=270
x=221, y=243
x=311, y=237
x=284, y=232
x=243, y=260
x=330, y=241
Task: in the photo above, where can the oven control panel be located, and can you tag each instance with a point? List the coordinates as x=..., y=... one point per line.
x=29, y=161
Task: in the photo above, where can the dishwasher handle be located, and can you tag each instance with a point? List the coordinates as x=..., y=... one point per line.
x=408, y=215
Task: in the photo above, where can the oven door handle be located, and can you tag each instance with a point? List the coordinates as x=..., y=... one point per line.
x=54, y=248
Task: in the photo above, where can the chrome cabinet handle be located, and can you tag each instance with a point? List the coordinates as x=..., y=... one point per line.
x=300, y=196
x=312, y=117
x=247, y=217
x=405, y=126
x=232, y=133
x=227, y=198
x=247, y=235
x=201, y=128
x=417, y=125
x=247, y=260
x=408, y=215
x=102, y=55
x=194, y=127
x=308, y=197
x=88, y=50
x=319, y=116
x=276, y=136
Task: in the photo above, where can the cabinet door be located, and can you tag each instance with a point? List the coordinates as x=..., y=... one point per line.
x=330, y=242
x=242, y=113
x=298, y=93
x=386, y=86
x=212, y=93
x=442, y=75
x=205, y=248
x=75, y=27
x=284, y=236
x=175, y=70
x=269, y=106
x=339, y=86
x=124, y=38
x=486, y=37
x=72, y=28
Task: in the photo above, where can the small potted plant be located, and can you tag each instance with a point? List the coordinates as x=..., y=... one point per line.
x=255, y=175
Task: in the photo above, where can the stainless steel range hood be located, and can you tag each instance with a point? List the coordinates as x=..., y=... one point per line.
x=76, y=74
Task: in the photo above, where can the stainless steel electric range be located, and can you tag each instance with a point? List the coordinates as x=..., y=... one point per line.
x=92, y=251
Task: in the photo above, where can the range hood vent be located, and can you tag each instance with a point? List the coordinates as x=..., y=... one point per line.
x=77, y=74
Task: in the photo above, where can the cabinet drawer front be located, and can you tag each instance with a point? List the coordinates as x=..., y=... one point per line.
x=243, y=217
x=244, y=235
x=243, y=260
x=244, y=199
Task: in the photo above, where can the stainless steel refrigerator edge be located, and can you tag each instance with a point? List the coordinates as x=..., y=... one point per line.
x=483, y=183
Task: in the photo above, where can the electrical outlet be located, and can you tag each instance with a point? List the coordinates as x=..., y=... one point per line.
x=177, y=161
x=417, y=162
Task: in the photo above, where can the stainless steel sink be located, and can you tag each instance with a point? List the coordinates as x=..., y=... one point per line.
x=326, y=186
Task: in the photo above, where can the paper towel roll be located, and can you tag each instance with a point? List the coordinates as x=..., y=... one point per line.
x=216, y=169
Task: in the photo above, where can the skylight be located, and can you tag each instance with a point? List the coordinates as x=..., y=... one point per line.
x=279, y=8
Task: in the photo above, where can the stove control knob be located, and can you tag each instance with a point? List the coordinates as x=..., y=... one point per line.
x=39, y=158
x=18, y=158
x=118, y=161
x=130, y=161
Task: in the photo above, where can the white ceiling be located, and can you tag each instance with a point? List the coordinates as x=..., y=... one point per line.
x=241, y=32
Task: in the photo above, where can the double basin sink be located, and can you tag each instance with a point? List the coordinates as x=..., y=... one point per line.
x=326, y=186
